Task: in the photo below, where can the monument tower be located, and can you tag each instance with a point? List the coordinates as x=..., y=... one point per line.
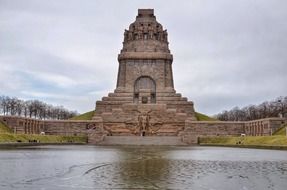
x=144, y=101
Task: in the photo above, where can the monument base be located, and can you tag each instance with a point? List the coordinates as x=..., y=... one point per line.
x=139, y=140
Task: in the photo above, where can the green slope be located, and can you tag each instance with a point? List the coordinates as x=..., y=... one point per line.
x=281, y=131
x=202, y=117
x=4, y=128
x=85, y=116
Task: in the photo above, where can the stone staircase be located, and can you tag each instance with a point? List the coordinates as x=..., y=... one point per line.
x=147, y=140
x=172, y=100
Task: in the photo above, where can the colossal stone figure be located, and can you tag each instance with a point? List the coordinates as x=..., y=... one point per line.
x=143, y=123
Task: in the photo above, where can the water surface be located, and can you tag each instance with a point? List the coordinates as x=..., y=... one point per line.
x=93, y=167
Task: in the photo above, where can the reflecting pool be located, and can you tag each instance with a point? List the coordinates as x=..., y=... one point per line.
x=142, y=167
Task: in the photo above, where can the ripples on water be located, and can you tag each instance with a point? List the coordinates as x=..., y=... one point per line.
x=89, y=167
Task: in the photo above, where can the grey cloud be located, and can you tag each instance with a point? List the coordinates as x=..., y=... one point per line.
x=226, y=53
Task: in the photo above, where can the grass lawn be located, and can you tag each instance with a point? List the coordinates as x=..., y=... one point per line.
x=84, y=116
x=11, y=138
x=276, y=140
x=202, y=117
x=281, y=131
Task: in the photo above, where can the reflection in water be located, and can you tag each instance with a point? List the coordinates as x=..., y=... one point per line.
x=143, y=168
x=89, y=167
x=136, y=168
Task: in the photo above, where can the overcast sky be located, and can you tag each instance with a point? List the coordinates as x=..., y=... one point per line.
x=64, y=52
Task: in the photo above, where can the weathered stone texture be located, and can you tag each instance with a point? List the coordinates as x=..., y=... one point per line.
x=21, y=125
x=71, y=128
x=261, y=127
x=145, y=84
x=193, y=130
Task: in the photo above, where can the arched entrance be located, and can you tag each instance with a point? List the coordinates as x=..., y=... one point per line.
x=145, y=90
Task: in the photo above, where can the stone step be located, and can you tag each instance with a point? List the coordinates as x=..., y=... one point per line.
x=178, y=102
x=131, y=94
x=158, y=98
x=117, y=102
x=147, y=140
x=170, y=98
x=128, y=94
x=119, y=98
x=112, y=102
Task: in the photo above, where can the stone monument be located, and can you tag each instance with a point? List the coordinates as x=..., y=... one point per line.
x=144, y=102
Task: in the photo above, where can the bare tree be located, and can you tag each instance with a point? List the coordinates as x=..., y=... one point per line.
x=33, y=108
x=275, y=108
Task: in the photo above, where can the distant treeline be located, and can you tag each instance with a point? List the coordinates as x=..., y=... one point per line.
x=33, y=109
x=275, y=108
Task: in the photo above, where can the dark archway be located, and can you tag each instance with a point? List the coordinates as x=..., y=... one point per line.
x=145, y=84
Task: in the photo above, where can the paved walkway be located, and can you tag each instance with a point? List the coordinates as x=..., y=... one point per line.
x=147, y=140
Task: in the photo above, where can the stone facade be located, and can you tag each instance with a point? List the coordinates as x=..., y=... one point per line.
x=193, y=130
x=189, y=132
x=261, y=127
x=145, y=101
x=20, y=125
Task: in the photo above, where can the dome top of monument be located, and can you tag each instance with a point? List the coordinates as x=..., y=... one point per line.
x=145, y=35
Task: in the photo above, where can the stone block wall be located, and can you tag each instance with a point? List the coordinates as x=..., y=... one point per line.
x=263, y=127
x=195, y=129
x=22, y=125
x=93, y=129
x=68, y=127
